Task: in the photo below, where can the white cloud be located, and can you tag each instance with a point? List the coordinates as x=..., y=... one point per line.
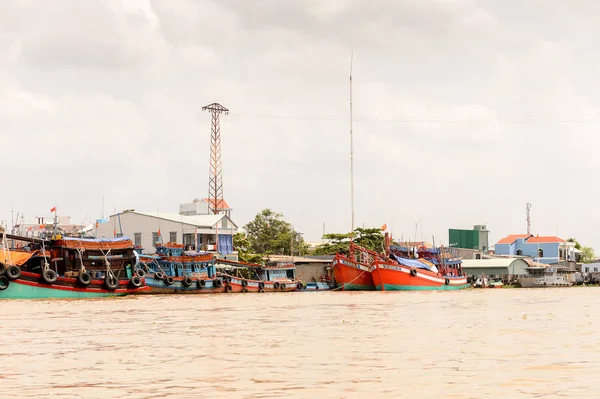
x=463, y=112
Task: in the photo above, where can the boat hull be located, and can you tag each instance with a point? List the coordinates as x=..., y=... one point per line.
x=388, y=277
x=237, y=284
x=158, y=286
x=29, y=286
x=535, y=282
x=352, y=276
x=318, y=286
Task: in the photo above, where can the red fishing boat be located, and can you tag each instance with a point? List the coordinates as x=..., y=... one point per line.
x=352, y=272
x=431, y=269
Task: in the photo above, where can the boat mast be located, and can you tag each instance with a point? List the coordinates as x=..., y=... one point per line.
x=351, y=155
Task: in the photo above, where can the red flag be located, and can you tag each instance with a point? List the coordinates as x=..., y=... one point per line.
x=53, y=209
x=114, y=232
x=96, y=224
x=159, y=231
x=42, y=226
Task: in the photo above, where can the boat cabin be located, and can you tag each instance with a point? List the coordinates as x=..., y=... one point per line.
x=277, y=271
x=174, y=260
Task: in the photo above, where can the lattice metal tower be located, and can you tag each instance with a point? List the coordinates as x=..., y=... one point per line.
x=215, y=180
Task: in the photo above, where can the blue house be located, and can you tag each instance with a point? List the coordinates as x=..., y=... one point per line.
x=547, y=249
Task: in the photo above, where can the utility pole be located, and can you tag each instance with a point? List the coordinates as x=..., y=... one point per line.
x=351, y=155
x=528, y=209
x=215, y=180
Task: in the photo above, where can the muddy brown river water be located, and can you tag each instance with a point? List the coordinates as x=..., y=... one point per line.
x=502, y=343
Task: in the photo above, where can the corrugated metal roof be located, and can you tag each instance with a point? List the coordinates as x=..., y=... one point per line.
x=497, y=262
x=194, y=220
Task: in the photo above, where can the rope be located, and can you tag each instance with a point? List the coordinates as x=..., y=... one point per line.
x=350, y=282
x=81, y=251
x=4, y=245
x=46, y=265
x=107, y=263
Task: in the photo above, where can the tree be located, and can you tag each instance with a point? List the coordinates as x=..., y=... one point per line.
x=577, y=244
x=371, y=238
x=268, y=234
x=587, y=255
x=242, y=245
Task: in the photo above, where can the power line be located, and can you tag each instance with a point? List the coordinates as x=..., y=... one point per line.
x=430, y=119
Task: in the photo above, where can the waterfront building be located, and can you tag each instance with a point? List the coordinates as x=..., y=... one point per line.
x=543, y=249
x=197, y=232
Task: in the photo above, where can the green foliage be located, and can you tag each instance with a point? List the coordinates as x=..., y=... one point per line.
x=242, y=245
x=577, y=244
x=269, y=234
x=372, y=239
x=587, y=255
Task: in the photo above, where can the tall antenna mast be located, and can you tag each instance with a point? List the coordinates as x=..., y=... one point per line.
x=528, y=208
x=351, y=153
x=215, y=180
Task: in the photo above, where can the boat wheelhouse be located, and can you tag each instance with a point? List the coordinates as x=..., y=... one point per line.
x=543, y=277
x=175, y=270
x=274, y=276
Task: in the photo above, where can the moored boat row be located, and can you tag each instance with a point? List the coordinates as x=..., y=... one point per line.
x=397, y=270
x=67, y=267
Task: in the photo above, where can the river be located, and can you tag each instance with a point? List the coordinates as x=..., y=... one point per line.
x=495, y=343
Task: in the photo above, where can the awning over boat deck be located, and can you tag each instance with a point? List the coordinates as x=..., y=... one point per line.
x=14, y=257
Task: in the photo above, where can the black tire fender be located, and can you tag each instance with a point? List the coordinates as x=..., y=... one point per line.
x=13, y=272
x=84, y=279
x=49, y=276
x=111, y=282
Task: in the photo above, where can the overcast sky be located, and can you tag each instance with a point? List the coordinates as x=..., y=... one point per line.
x=464, y=111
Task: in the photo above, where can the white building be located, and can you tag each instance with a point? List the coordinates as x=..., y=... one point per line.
x=197, y=231
x=201, y=207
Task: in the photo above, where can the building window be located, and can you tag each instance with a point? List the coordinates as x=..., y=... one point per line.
x=154, y=238
x=137, y=239
x=540, y=253
x=587, y=269
x=595, y=269
x=173, y=236
x=519, y=252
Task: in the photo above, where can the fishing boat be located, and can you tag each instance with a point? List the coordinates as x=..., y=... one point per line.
x=432, y=269
x=543, y=277
x=67, y=267
x=352, y=272
x=175, y=270
x=274, y=276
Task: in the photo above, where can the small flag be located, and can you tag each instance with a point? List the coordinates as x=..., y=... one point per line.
x=42, y=226
x=96, y=224
x=114, y=232
x=53, y=209
x=159, y=231
x=384, y=227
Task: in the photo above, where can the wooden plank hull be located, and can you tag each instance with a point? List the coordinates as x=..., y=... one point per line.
x=158, y=286
x=393, y=277
x=352, y=276
x=242, y=285
x=31, y=286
